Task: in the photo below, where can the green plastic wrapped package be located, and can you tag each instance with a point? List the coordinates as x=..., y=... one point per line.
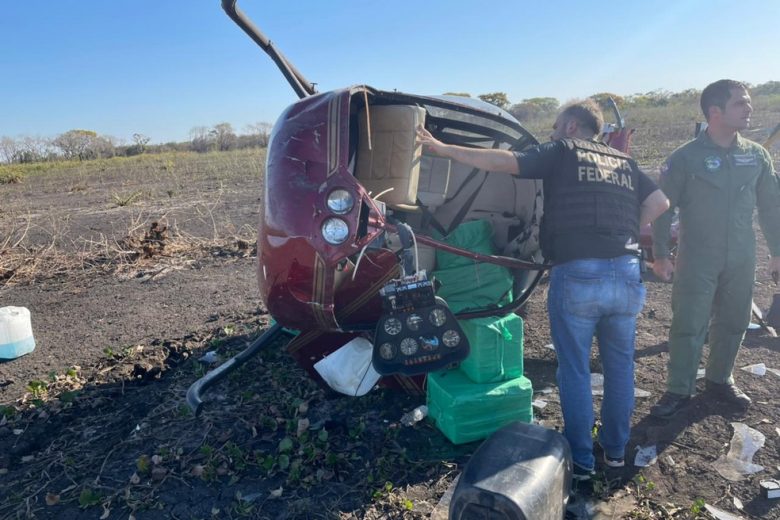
x=465, y=411
x=464, y=283
x=474, y=235
x=474, y=286
x=496, y=348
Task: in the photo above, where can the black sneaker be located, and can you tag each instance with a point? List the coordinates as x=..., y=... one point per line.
x=580, y=474
x=614, y=462
x=728, y=392
x=669, y=404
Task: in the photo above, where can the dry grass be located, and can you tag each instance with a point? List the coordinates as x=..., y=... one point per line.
x=148, y=250
x=44, y=234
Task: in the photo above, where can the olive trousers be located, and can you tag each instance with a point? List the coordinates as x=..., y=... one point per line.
x=708, y=293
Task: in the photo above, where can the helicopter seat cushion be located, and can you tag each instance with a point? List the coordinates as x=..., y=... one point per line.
x=434, y=180
x=390, y=159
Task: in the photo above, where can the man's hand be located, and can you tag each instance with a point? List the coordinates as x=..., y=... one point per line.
x=488, y=159
x=774, y=268
x=663, y=268
x=425, y=138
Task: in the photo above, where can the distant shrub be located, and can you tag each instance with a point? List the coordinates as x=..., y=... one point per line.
x=11, y=176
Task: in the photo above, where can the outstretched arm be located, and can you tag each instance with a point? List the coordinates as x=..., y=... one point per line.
x=487, y=159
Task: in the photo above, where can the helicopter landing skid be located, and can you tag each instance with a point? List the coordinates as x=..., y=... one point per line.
x=194, y=393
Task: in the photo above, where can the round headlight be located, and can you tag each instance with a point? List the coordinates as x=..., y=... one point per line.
x=334, y=231
x=340, y=201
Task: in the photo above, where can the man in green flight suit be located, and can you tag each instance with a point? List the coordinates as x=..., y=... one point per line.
x=716, y=181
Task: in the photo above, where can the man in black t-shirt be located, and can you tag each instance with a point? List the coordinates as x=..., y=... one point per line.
x=595, y=200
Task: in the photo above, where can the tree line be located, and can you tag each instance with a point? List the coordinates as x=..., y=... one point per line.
x=538, y=107
x=83, y=145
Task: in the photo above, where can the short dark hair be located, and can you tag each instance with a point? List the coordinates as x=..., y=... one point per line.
x=587, y=113
x=717, y=94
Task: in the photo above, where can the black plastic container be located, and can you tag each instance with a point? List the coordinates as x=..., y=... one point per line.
x=523, y=471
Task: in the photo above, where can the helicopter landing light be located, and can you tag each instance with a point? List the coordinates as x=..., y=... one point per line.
x=340, y=201
x=335, y=231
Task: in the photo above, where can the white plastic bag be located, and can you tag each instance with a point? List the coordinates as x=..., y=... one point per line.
x=348, y=370
x=645, y=456
x=738, y=462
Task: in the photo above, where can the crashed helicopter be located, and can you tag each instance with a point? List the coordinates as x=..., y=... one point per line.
x=355, y=214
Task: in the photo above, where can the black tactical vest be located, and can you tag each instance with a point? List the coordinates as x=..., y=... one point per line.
x=591, y=204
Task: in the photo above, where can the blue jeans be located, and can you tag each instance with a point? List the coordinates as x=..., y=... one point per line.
x=595, y=297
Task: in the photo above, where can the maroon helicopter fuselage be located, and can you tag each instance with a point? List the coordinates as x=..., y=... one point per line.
x=298, y=271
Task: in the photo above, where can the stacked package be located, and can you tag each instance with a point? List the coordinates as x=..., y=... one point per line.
x=488, y=390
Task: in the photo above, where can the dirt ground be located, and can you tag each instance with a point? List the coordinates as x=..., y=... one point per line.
x=95, y=425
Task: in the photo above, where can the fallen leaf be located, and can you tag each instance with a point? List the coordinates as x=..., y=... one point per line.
x=156, y=459
x=276, y=493
x=303, y=425
x=197, y=470
x=134, y=478
x=28, y=458
x=303, y=408
x=106, y=512
x=52, y=499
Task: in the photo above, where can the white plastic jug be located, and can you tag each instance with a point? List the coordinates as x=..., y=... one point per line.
x=16, y=337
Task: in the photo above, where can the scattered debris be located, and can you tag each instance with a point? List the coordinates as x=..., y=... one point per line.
x=415, y=416
x=597, y=386
x=738, y=462
x=209, y=357
x=155, y=239
x=646, y=456
x=719, y=514
x=759, y=369
x=770, y=488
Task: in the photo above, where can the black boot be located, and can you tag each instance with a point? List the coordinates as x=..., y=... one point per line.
x=669, y=404
x=729, y=393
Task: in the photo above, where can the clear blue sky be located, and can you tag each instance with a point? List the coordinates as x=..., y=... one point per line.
x=162, y=67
